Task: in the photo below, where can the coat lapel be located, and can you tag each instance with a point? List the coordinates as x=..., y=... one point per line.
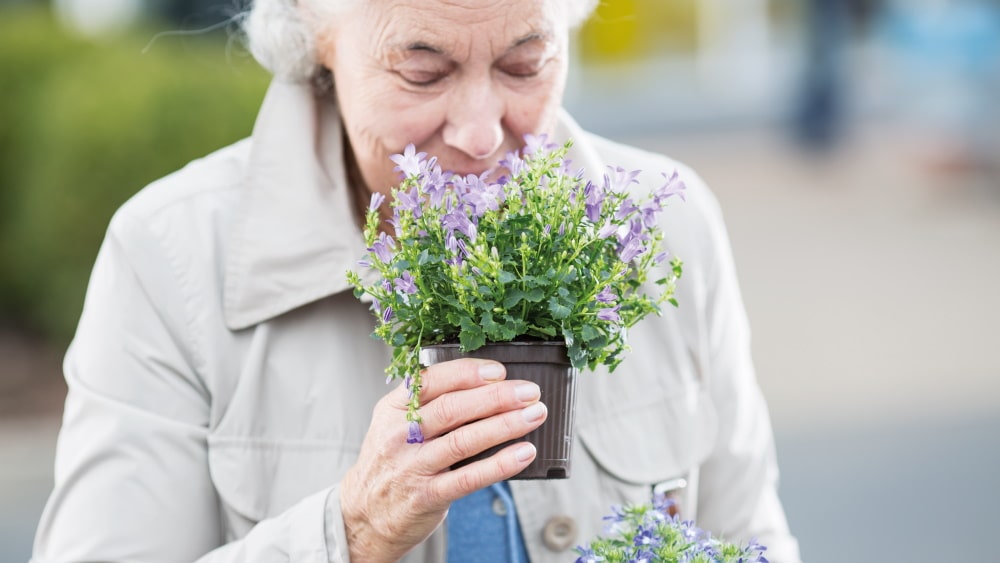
x=294, y=236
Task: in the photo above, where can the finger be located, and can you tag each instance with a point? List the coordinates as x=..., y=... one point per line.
x=475, y=437
x=454, y=375
x=508, y=462
x=454, y=409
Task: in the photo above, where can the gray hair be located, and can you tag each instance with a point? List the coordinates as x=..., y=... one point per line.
x=285, y=44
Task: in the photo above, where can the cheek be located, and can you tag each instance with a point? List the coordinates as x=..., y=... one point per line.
x=533, y=111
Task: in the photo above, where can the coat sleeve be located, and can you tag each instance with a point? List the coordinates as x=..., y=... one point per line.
x=737, y=493
x=132, y=478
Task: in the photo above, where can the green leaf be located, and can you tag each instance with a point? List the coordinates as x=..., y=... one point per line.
x=535, y=295
x=558, y=310
x=471, y=337
x=589, y=333
x=506, y=277
x=514, y=297
x=546, y=330
x=490, y=327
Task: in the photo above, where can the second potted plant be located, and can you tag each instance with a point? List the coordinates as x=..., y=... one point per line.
x=540, y=260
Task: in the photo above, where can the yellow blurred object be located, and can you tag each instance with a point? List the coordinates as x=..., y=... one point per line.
x=631, y=30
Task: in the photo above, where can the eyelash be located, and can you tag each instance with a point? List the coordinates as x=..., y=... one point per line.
x=440, y=77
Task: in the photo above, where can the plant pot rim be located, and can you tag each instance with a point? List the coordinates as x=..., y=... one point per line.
x=535, y=351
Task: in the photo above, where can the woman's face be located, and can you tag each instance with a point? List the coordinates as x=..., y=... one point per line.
x=461, y=80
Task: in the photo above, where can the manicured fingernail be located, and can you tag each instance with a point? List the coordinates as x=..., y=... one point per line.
x=525, y=452
x=534, y=412
x=491, y=371
x=527, y=392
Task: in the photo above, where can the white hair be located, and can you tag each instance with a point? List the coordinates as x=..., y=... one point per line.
x=285, y=44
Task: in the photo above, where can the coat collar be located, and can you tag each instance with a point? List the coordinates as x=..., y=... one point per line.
x=294, y=235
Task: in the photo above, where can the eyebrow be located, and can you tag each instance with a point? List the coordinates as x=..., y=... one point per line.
x=423, y=46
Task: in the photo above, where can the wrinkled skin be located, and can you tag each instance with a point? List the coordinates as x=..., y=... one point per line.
x=462, y=80
x=397, y=494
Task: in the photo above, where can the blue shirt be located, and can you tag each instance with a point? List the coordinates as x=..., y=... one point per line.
x=476, y=532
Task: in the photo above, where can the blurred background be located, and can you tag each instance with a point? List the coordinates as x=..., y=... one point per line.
x=854, y=146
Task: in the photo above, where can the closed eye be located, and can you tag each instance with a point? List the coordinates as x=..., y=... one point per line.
x=417, y=78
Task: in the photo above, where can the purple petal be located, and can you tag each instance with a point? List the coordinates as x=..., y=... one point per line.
x=609, y=314
x=409, y=163
x=632, y=249
x=606, y=295
x=414, y=435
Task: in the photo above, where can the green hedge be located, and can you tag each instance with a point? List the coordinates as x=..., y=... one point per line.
x=83, y=125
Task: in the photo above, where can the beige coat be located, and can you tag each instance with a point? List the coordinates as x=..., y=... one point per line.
x=222, y=377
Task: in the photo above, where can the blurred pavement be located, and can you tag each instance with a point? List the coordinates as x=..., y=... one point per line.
x=871, y=285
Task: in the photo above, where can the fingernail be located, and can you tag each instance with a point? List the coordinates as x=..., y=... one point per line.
x=534, y=412
x=491, y=371
x=525, y=452
x=527, y=392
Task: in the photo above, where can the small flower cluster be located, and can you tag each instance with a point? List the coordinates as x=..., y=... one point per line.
x=540, y=254
x=650, y=534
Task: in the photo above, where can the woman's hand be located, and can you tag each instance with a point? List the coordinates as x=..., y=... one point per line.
x=397, y=494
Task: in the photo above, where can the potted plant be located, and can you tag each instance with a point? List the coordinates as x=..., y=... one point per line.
x=542, y=270
x=653, y=533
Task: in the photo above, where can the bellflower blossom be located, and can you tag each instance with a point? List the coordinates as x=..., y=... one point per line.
x=542, y=254
x=650, y=533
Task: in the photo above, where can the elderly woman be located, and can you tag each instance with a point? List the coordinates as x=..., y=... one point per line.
x=225, y=402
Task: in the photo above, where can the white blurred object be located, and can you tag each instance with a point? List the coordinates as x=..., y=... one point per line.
x=98, y=17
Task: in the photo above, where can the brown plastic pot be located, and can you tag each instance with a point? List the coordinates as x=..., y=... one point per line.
x=544, y=363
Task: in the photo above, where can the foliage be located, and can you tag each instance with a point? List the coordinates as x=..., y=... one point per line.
x=650, y=534
x=83, y=125
x=542, y=254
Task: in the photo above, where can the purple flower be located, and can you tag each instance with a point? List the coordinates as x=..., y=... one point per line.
x=482, y=197
x=409, y=201
x=463, y=250
x=376, y=202
x=660, y=257
x=593, y=201
x=649, y=211
x=395, y=224
x=415, y=436
x=607, y=230
x=627, y=208
x=646, y=537
x=609, y=314
x=456, y=220
x=632, y=249
x=405, y=285
x=513, y=163
x=436, y=187
x=409, y=162
x=606, y=295
x=383, y=247
x=618, y=179
x=387, y=314
x=536, y=144
x=587, y=555
x=674, y=186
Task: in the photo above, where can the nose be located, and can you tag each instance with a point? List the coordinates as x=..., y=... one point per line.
x=473, y=125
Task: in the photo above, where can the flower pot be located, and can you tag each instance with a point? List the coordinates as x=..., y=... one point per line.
x=546, y=364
